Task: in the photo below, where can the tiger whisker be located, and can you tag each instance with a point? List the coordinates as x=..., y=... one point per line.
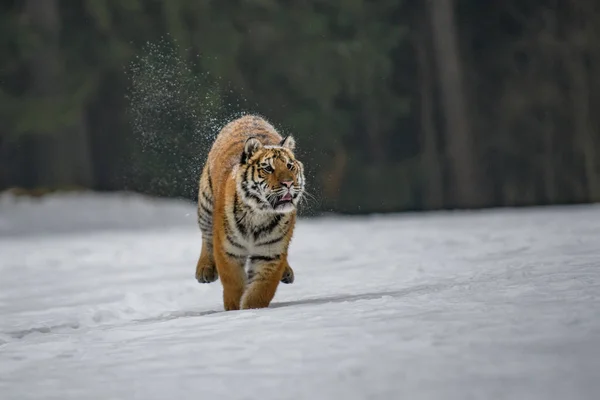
x=308, y=196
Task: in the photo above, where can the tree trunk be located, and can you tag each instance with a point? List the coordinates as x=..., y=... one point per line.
x=459, y=140
x=549, y=128
x=62, y=157
x=580, y=100
x=332, y=179
x=373, y=133
x=434, y=197
x=582, y=61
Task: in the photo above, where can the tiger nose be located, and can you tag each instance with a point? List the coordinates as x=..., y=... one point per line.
x=287, y=184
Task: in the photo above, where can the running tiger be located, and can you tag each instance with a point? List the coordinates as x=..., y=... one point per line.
x=249, y=191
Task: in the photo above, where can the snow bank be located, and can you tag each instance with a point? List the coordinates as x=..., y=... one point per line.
x=89, y=211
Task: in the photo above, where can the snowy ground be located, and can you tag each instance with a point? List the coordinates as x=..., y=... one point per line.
x=98, y=301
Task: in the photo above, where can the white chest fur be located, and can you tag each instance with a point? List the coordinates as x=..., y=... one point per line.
x=252, y=233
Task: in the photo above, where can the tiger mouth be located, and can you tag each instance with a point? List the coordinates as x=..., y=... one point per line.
x=285, y=199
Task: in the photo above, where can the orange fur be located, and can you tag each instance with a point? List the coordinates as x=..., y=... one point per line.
x=249, y=189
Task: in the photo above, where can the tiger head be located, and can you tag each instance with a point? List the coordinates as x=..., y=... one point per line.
x=270, y=178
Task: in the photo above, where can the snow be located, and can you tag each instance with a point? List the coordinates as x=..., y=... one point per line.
x=98, y=301
x=85, y=211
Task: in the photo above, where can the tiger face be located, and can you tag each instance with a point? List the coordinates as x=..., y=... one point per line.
x=270, y=179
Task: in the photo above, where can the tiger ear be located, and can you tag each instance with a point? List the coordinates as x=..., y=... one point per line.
x=288, y=142
x=250, y=147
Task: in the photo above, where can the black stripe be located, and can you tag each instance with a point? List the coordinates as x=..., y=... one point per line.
x=204, y=225
x=237, y=221
x=264, y=258
x=249, y=174
x=209, y=179
x=234, y=255
x=206, y=198
x=225, y=225
x=250, y=195
x=249, y=185
x=233, y=242
x=205, y=209
x=207, y=219
x=268, y=228
x=270, y=241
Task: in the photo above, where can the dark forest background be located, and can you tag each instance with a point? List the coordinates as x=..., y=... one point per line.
x=395, y=105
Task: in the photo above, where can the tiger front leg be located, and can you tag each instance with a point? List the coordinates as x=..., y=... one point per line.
x=288, y=274
x=233, y=277
x=268, y=272
x=287, y=277
x=206, y=270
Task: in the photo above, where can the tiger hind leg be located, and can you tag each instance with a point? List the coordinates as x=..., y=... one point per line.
x=206, y=271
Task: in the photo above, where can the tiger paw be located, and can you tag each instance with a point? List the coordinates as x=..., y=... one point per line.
x=288, y=275
x=206, y=274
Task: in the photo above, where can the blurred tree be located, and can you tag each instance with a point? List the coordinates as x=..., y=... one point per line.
x=396, y=105
x=581, y=54
x=459, y=135
x=53, y=115
x=432, y=161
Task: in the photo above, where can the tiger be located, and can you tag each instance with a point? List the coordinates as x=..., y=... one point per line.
x=249, y=191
